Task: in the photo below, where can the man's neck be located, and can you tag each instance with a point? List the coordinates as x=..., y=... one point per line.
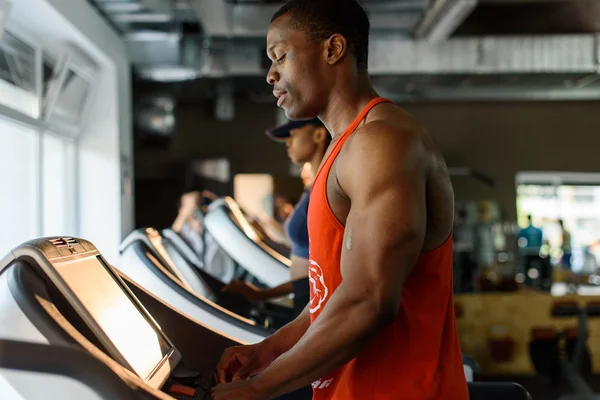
x=346, y=102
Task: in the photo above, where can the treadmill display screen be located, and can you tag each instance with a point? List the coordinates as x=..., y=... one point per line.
x=126, y=326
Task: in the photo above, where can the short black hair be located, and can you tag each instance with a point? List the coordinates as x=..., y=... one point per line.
x=322, y=18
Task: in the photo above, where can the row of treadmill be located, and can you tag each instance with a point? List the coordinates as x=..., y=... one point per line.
x=151, y=326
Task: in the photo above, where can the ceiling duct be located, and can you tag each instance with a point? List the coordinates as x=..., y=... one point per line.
x=391, y=50
x=442, y=18
x=131, y=15
x=165, y=56
x=485, y=55
x=251, y=20
x=410, y=53
x=575, y=54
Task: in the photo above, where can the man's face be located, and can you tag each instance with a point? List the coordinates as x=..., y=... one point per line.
x=298, y=72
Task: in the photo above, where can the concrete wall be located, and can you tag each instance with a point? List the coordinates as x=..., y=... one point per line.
x=501, y=139
x=498, y=139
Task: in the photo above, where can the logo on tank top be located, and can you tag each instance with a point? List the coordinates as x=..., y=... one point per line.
x=322, y=384
x=319, y=291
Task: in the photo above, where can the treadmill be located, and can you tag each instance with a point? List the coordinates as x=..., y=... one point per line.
x=233, y=230
x=220, y=266
x=70, y=328
x=31, y=371
x=149, y=264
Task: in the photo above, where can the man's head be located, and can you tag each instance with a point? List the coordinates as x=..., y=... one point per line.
x=315, y=44
x=305, y=140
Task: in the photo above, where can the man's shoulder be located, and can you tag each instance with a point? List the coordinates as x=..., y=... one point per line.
x=383, y=132
x=381, y=140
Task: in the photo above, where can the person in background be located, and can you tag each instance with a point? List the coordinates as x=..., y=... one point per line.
x=306, y=142
x=189, y=226
x=283, y=208
x=186, y=223
x=530, y=244
x=530, y=238
x=483, y=246
x=465, y=264
x=275, y=230
x=565, y=246
x=306, y=174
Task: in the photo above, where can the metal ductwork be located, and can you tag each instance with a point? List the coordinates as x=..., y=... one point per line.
x=392, y=52
x=442, y=18
x=222, y=18
x=414, y=51
x=575, y=54
x=153, y=31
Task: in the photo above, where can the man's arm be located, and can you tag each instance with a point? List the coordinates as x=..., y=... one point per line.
x=264, y=352
x=382, y=172
x=288, y=336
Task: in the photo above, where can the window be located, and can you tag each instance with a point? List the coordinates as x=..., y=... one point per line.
x=58, y=185
x=71, y=99
x=19, y=181
x=570, y=197
x=47, y=73
x=18, y=88
x=68, y=90
x=37, y=166
x=44, y=93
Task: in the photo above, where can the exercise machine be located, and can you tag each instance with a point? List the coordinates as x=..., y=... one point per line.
x=563, y=353
x=226, y=222
x=63, y=306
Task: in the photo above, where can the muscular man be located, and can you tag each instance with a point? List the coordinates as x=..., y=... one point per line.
x=380, y=323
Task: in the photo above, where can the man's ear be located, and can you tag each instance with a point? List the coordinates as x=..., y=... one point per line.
x=336, y=47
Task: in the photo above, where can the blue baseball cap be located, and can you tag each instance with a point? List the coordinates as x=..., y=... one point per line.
x=282, y=132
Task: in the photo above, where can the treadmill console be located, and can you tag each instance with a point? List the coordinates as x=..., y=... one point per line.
x=107, y=312
x=118, y=320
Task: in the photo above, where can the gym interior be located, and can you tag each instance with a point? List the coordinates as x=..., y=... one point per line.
x=114, y=114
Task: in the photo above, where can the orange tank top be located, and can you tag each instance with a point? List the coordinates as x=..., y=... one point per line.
x=418, y=355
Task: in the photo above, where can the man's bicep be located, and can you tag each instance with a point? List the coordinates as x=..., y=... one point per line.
x=384, y=235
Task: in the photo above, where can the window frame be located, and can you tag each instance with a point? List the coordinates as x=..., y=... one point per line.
x=37, y=168
x=31, y=41
x=70, y=59
x=67, y=58
x=71, y=178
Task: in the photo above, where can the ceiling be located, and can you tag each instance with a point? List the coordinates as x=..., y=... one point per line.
x=420, y=49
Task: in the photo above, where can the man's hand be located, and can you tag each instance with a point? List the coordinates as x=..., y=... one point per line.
x=240, y=362
x=245, y=289
x=239, y=390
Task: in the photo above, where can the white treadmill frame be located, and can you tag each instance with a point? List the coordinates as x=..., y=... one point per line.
x=243, y=245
